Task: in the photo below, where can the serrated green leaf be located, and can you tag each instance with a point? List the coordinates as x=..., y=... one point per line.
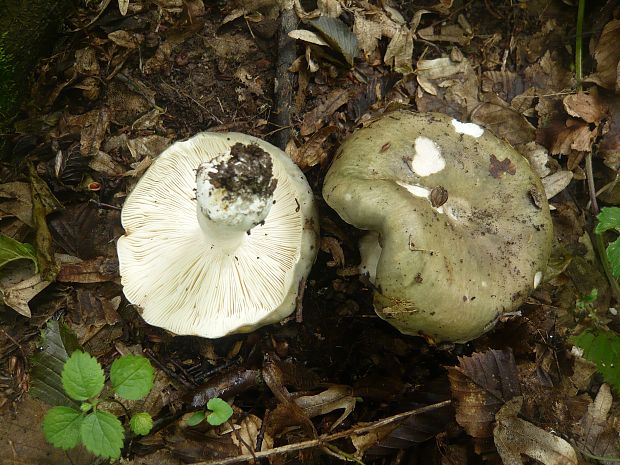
x=102, y=434
x=221, y=411
x=338, y=35
x=61, y=426
x=196, y=418
x=141, y=423
x=132, y=376
x=10, y=250
x=613, y=255
x=57, y=342
x=603, y=349
x=608, y=218
x=82, y=376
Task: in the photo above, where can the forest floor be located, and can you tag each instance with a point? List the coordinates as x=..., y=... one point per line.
x=122, y=86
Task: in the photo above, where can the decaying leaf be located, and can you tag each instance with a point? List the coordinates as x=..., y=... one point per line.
x=556, y=182
x=15, y=200
x=335, y=397
x=607, y=56
x=43, y=203
x=314, y=119
x=504, y=122
x=515, y=437
x=338, y=35
x=588, y=107
x=19, y=284
x=332, y=246
x=307, y=36
x=480, y=385
x=598, y=433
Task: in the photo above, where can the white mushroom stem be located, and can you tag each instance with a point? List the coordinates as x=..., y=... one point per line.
x=234, y=193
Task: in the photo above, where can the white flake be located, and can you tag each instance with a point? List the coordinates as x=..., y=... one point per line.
x=470, y=129
x=427, y=159
x=537, y=279
x=418, y=191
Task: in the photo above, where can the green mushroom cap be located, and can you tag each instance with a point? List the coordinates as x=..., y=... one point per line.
x=460, y=230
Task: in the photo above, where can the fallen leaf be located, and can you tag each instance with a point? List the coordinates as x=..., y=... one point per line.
x=607, y=56
x=498, y=168
x=597, y=432
x=314, y=119
x=338, y=35
x=515, y=437
x=588, y=107
x=556, y=182
x=504, y=122
x=18, y=285
x=480, y=385
x=43, y=203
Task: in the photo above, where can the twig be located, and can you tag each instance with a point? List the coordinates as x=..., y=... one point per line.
x=325, y=438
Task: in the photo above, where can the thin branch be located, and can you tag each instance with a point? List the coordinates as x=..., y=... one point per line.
x=325, y=438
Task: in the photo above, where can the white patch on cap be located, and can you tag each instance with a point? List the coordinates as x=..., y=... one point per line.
x=537, y=279
x=418, y=191
x=469, y=129
x=427, y=159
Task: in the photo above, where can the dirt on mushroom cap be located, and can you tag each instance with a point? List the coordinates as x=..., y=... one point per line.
x=461, y=239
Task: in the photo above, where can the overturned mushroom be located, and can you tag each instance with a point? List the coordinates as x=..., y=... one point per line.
x=460, y=227
x=220, y=234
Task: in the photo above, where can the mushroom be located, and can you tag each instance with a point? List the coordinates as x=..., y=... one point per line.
x=220, y=235
x=460, y=226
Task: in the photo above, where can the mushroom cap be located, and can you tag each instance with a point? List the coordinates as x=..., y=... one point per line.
x=191, y=284
x=463, y=226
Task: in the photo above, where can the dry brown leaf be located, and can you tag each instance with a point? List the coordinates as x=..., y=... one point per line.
x=316, y=118
x=607, y=56
x=576, y=135
x=515, y=437
x=609, y=147
x=505, y=84
x=588, y=107
x=333, y=247
x=480, y=385
x=19, y=285
x=399, y=51
x=597, y=433
x=92, y=127
x=368, y=33
x=86, y=62
x=96, y=270
x=504, y=122
x=15, y=200
x=556, y=182
x=147, y=146
x=124, y=39
x=452, y=33
x=313, y=151
x=336, y=397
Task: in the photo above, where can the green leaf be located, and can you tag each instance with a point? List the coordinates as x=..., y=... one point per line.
x=613, y=255
x=141, y=423
x=10, y=250
x=221, y=411
x=57, y=342
x=196, y=418
x=82, y=376
x=603, y=349
x=132, y=376
x=608, y=218
x=102, y=434
x=61, y=426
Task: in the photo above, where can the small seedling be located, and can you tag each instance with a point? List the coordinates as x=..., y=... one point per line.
x=220, y=413
x=102, y=433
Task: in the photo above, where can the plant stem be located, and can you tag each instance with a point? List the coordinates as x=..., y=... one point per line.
x=578, y=43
